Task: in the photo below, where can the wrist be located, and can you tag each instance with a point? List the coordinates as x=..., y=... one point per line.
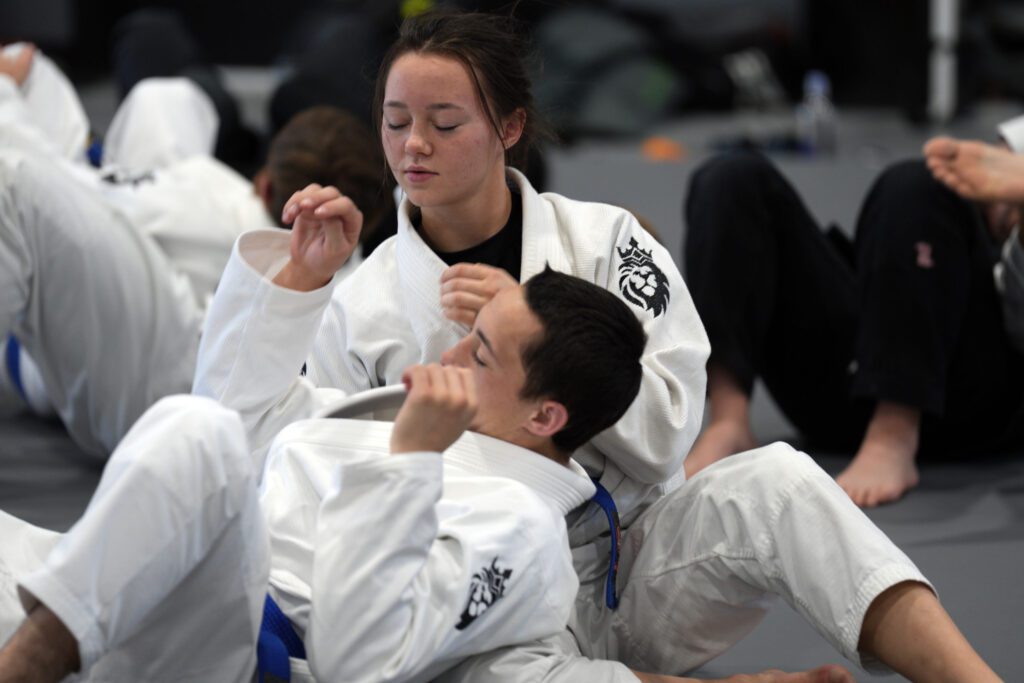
x=294, y=276
x=402, y=448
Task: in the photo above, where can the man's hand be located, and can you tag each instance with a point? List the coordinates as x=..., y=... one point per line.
x=438, y=408
x=18, y=66
x=467, y=287
x=324, y=235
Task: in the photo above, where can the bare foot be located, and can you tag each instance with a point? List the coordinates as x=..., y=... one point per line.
x=877, y=476
x=976, y=170
x=884, y=469
x=720, y=439
x=728, y=431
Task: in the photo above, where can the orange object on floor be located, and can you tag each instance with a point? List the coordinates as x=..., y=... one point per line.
x=661, y=149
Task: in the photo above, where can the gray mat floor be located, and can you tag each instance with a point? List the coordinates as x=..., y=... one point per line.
x=964, y=525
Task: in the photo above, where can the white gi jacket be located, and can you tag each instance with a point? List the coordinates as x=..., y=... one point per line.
x=395, y=568
x=142, y=249
x=388, y=315
x=372, y=560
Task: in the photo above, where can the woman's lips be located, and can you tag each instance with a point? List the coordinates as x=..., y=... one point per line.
x=419, y=175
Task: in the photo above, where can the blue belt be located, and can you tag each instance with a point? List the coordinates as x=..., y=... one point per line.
x=278, y=641
x=604, y=499
x=12, y=361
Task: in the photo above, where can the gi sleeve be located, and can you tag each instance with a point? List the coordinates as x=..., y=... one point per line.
x=256, y=339
x=1012, y=133
x=650, y=442
x=334, y=361
x=397, y=595
x=44, y=114
x=1010, y=282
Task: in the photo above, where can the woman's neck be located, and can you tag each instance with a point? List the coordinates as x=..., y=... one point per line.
x=463, y=226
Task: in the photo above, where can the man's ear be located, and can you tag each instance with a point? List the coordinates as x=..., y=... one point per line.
x=262, y=187
x=549, y=418
x=512, y=128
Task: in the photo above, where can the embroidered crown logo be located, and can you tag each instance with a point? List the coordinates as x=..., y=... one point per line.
x=485, y=588
x=642, y=283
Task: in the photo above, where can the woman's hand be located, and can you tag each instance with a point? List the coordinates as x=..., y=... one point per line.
x=467, y=287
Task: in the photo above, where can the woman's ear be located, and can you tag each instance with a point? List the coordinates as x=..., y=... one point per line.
x=549, y=418
x=263, y=188
x=512, y=128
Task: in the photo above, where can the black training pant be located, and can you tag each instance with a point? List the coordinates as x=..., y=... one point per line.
x=908, y=313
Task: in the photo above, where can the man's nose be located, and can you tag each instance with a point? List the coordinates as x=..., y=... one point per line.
x=457, y=354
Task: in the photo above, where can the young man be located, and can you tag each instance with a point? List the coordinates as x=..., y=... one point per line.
x=390, y=562
x=105, y=274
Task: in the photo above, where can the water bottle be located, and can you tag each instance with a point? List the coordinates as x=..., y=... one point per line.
x=816, y=117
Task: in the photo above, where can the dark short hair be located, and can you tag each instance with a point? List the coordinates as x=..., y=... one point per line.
x=329, y=146
x=492, y=52
x=587, y=357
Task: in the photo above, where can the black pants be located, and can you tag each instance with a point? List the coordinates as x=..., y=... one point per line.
x=908, y=313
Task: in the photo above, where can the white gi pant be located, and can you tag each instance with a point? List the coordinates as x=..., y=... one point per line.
x=111, y=324
x=697, y=566
x=165, y=576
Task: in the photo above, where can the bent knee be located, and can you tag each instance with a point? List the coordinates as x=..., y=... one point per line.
x=730, y=173
x=770, y=470
x=907, y=203
x=189, y=436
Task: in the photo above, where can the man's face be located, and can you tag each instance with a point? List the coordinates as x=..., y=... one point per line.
x=493, y=352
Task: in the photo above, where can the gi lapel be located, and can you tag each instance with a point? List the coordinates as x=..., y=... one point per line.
x=542, y=242
x=419, y=275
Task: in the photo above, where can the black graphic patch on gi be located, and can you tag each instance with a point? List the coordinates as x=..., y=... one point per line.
x=642, y=283
x=485, y=588
x=115, y=176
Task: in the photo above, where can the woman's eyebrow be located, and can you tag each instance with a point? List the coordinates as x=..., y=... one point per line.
x=394, y=104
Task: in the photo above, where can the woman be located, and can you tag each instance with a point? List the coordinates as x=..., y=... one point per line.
x=455, y=110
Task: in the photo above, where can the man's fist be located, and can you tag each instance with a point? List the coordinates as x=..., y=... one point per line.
x=439, y=407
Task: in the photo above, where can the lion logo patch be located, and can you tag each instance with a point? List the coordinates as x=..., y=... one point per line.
x=642, y=283
x=486, y=587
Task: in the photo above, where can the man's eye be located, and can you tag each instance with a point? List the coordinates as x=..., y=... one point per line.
x=476, y=359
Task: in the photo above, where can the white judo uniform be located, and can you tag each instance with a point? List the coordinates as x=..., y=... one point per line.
x=393, y=568
x=105, y=274
x=697, y=558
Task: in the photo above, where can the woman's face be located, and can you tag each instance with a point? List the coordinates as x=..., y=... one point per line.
x=439, y=142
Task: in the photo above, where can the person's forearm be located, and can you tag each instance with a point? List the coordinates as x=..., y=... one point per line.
x=42, y=649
